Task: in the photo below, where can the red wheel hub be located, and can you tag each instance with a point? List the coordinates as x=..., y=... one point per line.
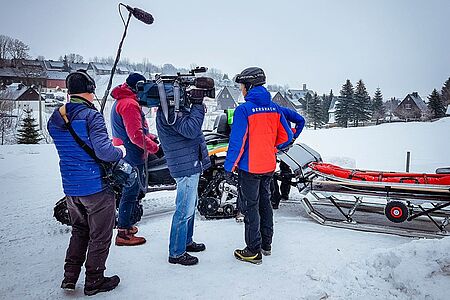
x=396, y=212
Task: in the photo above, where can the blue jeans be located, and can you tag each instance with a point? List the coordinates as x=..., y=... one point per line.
x=182, y=227
x=128, y=200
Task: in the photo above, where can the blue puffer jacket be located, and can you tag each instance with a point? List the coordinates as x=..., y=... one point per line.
x=81, y=175
x=183, y=143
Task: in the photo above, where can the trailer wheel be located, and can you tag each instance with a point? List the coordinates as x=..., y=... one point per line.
x=396, y=211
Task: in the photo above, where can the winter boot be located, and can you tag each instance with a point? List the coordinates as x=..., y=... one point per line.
x=133, y=230
x=68, y=284
x=248, y=256
x=266, y=251
x=239, y=217
x=104, y=284
x=126, y=238
x=185, y=260
x=195, y=247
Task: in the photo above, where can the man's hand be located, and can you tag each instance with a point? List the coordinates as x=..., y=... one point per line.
x=229, y=178
x=122, y=148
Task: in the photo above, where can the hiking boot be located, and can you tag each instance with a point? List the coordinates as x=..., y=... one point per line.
x=133, y=230
x=275, y=205
x=103, y=284
x=125, y=238
x=248, y=256
x=266, y=251
x=185, y=260
x=195, y=247
x=68, y=284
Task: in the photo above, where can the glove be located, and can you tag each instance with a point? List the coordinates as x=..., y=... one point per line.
x=123, y=149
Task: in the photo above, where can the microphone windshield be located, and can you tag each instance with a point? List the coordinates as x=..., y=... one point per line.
x=204, y=83
x=142, y=16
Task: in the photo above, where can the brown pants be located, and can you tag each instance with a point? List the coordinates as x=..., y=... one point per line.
x=93, y=219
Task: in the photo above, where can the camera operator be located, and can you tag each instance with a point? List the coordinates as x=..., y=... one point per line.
x=129, y=128
x=187, y=156
x=90, y=200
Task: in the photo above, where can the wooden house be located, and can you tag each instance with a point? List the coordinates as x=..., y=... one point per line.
x=411, y=108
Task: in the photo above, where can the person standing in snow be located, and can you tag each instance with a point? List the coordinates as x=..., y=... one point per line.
x=187, y=156
x=258, y=128
x=90, y=200
x=285, y=172
x=130, y=129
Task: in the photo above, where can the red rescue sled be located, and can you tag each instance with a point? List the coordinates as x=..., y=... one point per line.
x=377, y=176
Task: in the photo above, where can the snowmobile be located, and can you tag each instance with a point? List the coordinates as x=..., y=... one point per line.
x=413, y=204
x=217, y=196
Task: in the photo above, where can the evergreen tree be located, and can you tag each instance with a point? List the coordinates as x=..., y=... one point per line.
x=361, y=107
x=343, y=106
x=315, y=111
x=28, y=134
x=66, y=67
x=377, y=106
x=445, y=93
x=326, y=102
x=435, y=105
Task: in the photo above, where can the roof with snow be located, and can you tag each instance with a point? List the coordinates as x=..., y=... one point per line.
x=418, y=100
x=57, y=75
x=333, y=103
x=13, y=92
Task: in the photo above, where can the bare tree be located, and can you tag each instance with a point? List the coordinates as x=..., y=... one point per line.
x=4, y=44
x=18, y=49
x=6, y=118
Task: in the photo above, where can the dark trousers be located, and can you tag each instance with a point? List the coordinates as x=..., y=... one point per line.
x=254, y=203
x=128, y=200
x=92, y=219
x=285, y=187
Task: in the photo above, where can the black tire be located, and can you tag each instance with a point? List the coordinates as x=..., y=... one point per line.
x=396, y=211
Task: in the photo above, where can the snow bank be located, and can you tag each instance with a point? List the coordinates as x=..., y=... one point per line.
x=416, y=270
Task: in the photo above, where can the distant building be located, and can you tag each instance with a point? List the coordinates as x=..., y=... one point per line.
x=279, y=99
x=297, y=97
x=411, y=108
x=20, y=96
x=332, y=110
x=447, y=113
x=227, y=97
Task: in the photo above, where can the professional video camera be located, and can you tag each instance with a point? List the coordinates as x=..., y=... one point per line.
x=179, y=90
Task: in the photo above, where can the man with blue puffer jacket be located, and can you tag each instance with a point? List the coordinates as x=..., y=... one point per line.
x=90, y=200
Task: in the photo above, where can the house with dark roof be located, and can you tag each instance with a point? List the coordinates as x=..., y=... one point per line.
x=297, y=97
x=279, y=99
x=227, y=97
x=411, y=108
x=20, y=96
x=28, y=72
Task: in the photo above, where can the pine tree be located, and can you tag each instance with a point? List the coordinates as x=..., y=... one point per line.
x=343, y=107
x=445, y=93
x=326, y=102
x=362, y=107
x=435, y=105
x=377, y=106
x=28, y=134
x=315, y=111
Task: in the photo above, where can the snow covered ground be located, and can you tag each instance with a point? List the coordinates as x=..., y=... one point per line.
x=309, y=261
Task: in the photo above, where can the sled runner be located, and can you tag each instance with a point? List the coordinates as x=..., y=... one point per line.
x=401, y=197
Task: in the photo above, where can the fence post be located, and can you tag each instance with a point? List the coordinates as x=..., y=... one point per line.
x=408, y=161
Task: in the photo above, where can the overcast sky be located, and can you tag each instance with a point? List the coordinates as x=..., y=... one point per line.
x=398, y=45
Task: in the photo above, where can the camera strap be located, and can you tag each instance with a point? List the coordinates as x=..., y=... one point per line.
x=163, y=100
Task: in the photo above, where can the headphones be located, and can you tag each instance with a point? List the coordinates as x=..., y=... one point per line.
x=90, y=86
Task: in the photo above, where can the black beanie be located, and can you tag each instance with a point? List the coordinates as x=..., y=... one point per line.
x=78, y=83
x=133, y=79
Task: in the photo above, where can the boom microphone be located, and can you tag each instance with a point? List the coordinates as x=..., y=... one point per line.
x=204, y=83
x=141, y=15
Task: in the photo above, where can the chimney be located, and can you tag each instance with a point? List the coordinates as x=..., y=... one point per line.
x=304, y=86
x=415, y=94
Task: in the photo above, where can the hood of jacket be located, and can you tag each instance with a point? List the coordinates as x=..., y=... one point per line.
x=259, y=95
x=123, y=91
